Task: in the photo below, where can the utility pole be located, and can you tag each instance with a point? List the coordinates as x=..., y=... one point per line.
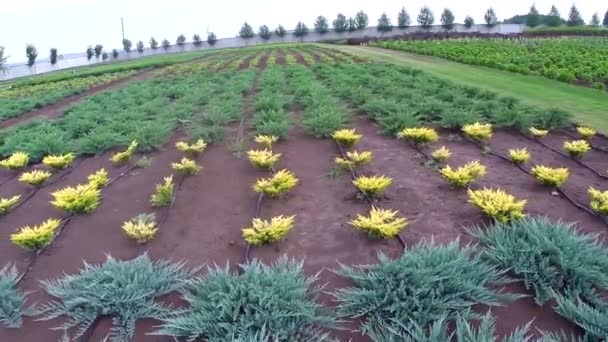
x=122, y=24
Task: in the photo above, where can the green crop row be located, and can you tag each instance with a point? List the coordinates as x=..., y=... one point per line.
x=572, y=60
x=145, y=111
x=271, y=104
x=399, y=97
x=322, y=113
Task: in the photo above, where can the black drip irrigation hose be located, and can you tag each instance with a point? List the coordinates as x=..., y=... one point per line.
x=10, y=178
x=258, y=211
x=64, y=222
x=559, y=190
x=594, y=147
x=173, y=199
x=578, y=161
x=122, y=174
x=354, y=176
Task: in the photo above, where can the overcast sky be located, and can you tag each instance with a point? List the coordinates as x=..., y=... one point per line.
x=72, y=25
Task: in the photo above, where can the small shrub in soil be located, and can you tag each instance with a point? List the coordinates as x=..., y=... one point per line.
x=12, y=298
x=279, y=305
x=429, y=282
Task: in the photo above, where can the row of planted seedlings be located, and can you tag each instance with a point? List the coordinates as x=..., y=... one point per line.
x=270, y=123
x=507, y=211
x=73, y=200
x=588, y=134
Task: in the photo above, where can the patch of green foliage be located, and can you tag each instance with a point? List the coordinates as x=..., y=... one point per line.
x=323, y=115
x=124, y=290
x=378, y=90
x=263, y=303
x=12, y=299
x=428, y=283
x=555, y=262
x=270, y=105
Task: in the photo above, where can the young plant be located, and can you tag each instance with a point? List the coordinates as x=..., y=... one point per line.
x=346, y=137
x=192, y=149
x=263, y=232
x=16, y=161
x=586, y=132
x=58, y=162
x=266, y=140
x=98, y=179
x=497, y=204
x=120, y=158
x=354, y=159
x=35, y=177
x=373, y=186
x=577, y=148
x=440, y=155
x=381, y=223
x=141, y=228
x=519, y=156
x=478, y=131
x=263, y=159
x=464, y=175
x=278, y=184
x=7, y=204
x=36, y=237
x=420, y=135
x=186, y=166
x=538, y=133
x=12, y=299
x=77, y=200
x=599, y=201
x=163, y=194
x=550, y=176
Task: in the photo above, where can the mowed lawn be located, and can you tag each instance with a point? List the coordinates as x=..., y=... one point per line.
x=589, y=106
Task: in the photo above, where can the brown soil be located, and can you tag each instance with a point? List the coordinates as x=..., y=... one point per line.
x=245, y=63
x=263, y=61
x=299, y=58
x=317, y=57
x=281, y=57
x=211, y=208
x=57, y=109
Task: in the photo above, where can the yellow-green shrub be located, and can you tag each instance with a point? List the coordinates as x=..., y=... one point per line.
x=586, y=132
x=266, y=140
x=16, y=161
x=599, y=201
x=192, y=149
x=346, y=137
x=99, y=179
x=58, y=162
x=276, y=185
x=419, y=135
x=519, y=156
x=354, y=159
x=124, y=156
x=35, y=177
x=373, y=186
x=163, y=194
x=538, y=133
x=577, y=148
x=550, y=176
x=7, y=204
x=36, y=237
x=141, y=228
x=464, y=175
x=380, y=223
x=478, y=131
x=497, y=204
x=263, y=159
x=78, y=199
x=186, y=166
x=442, y=154
x=263, y=232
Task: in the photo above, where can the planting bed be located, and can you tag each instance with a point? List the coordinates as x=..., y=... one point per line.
x=302, y=94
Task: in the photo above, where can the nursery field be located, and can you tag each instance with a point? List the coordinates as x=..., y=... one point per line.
x=300, y=193
x=581, y=61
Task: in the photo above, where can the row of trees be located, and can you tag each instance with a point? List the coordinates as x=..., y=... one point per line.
x=553, y=18
x=360, y=21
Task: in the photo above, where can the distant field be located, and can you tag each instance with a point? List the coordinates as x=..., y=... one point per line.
x=588, y=105
x=581, y=61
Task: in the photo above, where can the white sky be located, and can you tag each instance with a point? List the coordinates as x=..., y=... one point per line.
x=72, y=25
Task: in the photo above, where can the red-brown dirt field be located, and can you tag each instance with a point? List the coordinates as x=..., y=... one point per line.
x=204, y=225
